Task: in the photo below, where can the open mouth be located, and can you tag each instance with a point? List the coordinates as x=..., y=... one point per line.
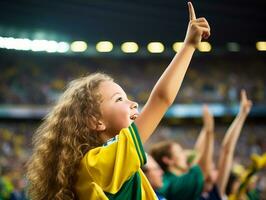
x=133, y=117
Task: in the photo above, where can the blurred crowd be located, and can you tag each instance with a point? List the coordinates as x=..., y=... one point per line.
x=15, y=148
x=40, y=79
x=212, y=79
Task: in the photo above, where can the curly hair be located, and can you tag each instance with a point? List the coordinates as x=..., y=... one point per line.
x=63, y=138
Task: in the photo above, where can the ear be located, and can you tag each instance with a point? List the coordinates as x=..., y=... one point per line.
x=97, y=125
x=166, y=160
x=100, y=126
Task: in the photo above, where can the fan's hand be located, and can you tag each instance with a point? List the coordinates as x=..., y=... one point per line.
x=198, y=28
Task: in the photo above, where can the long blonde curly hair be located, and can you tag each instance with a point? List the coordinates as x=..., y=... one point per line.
x=63, y=138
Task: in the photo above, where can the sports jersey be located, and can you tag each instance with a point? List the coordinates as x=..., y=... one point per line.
x=187, y=186
x=112, y=171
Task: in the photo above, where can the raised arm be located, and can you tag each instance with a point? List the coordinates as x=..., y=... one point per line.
x=229, y=143
x=208, y=125
x=166, y=88
x=205, y=142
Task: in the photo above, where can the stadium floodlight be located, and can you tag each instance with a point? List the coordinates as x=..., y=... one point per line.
x=22, y=44
x=261, y=46
x=129, y=47
x=2, y=42
x=25, y=44
x=104, y=46
x=39, y=45
x=233, y=46
x=62, y=47
x=177, y=46
x=15, y=43
x=51, y=46
x=204, y=47
x=9, y=43
x=78, y=46
x=155, y=47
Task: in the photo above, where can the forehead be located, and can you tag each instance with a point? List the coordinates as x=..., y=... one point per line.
x=109, y=88
x=176, y=148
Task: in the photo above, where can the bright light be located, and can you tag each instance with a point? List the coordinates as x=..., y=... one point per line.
x=129, y=47
x=204, y=47
x=39, y=45
x=9, y=43
x=233, y=46
x=2, y=42
x=155, y=47
x=23, y=44
x=51, y=46
x=62, y=47
x=78, y=46
x=104, y=46
x=13, y=43
x=261, y=46
x=177, y=46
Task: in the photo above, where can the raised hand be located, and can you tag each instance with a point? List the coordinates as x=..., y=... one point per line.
x=245, y=104
x=198, y=28
x=208, y=120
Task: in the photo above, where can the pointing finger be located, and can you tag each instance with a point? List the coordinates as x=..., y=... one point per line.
x=243, y=95
x=192, y=15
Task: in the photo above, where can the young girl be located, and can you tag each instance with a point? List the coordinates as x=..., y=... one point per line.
x=90, y=144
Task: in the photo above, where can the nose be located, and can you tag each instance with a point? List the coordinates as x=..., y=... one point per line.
x=134, y=105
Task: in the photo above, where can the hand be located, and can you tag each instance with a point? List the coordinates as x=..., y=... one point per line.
x=208, y=119
x=245, y=104
x=197, y=28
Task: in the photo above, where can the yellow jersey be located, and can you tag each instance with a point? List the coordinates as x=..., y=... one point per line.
x=113, y=171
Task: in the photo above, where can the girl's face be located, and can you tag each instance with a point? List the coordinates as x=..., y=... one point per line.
x=117, y=110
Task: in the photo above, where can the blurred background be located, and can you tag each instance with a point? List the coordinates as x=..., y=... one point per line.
x=46, y=44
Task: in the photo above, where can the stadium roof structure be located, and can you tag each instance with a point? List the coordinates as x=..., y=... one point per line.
x=127, y=20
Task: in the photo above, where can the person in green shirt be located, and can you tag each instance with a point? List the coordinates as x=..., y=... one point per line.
x=178, y=182
x=182, y=180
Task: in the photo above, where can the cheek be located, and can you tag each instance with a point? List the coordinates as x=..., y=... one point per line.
x=181, y=158
x=114, y=112
x=119, y=117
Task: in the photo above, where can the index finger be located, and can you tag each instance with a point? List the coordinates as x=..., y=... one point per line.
x=205, y=110
x=243, y=95
x=192, y=15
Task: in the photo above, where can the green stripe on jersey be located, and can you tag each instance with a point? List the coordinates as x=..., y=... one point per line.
x=133, y=135
x=140, y=143
x=131, y=189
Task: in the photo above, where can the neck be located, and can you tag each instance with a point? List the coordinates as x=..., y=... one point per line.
x=176, y=171
x=105, y=136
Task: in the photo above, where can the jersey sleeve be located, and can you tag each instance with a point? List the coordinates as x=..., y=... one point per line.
x=111, y=165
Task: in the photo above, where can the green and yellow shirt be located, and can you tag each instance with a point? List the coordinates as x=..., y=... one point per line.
x=187, y=186
x=113, y=170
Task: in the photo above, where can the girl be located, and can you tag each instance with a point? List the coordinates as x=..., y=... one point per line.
x=90, y=144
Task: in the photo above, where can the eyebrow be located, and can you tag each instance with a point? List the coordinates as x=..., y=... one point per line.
x=115, y=94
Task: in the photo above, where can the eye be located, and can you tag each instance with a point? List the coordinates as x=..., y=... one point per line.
x=118, y=99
